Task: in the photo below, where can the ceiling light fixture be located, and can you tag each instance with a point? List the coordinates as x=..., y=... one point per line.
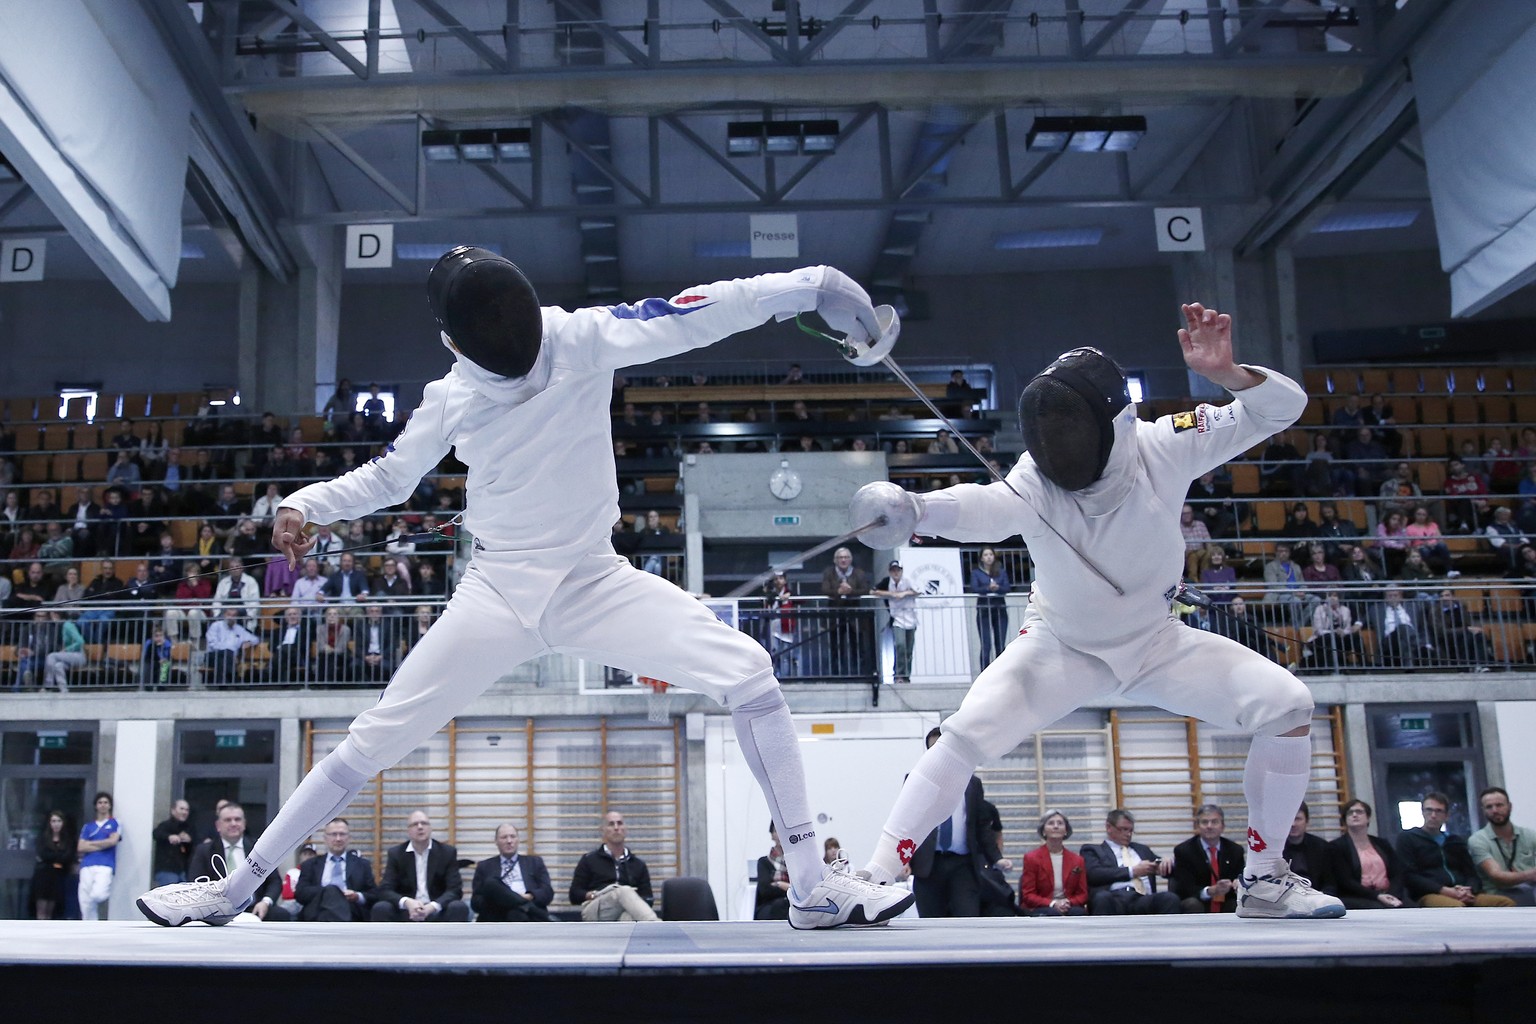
x=781, y=138
x=1085, y=134
x=478, y=145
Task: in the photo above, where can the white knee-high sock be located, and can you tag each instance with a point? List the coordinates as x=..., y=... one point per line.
x=927, y=798
x=1275, y=783
x=323, y=794
x=766, y=732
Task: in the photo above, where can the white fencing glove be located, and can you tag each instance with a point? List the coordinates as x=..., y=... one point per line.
x=846, y=307
x=897, y=511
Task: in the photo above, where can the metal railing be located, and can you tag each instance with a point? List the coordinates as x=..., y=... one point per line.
x=1392, y=627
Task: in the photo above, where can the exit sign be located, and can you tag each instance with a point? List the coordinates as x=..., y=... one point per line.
x=52, y=740
x=786, y=520
x=1413, y=724
x=229, y=739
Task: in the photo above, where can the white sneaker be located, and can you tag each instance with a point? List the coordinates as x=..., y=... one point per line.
x=175, y=904
x=1284, y=894
x=846, y=897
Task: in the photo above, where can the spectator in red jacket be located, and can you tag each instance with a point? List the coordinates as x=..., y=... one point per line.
x=1054, y=882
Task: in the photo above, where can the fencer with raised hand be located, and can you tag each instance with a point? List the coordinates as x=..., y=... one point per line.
x=525, y=406
x=1096, y=497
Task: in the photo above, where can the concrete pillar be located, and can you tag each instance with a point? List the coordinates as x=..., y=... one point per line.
x=1357, y=747
x=288, y=329
x=138, y=794
x=290, y=756
x=1259, y=294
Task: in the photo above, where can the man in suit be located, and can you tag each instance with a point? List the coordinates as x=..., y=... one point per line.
x=348, y=583
x=947, y=865
x=335, y=887
x=1122, y=875
x=1403, y=643
x=377, y=638
x=844, y=585
x=232, y=844
x=1206, y=866
x=421, y=879
x=511, y=886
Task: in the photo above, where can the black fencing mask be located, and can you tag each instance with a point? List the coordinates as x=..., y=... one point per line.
x=488, y=309
x=1067, y=415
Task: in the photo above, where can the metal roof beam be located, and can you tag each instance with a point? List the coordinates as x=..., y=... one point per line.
x=435, y=10
x=320, y=36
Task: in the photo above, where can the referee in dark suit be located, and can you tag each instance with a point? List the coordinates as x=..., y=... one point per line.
x=947, y=865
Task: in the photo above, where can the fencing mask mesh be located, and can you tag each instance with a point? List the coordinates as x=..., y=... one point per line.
x=488, y=308
x=1067, y=416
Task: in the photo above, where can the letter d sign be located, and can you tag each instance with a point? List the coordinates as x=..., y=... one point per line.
x=370, y=245
x=21, y=259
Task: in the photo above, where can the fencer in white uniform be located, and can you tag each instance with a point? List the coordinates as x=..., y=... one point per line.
x=526, y=407
x=1097, y=500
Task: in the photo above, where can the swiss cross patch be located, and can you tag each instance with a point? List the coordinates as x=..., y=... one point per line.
x=1256, y=842
x=905, y=849
x=683, y=300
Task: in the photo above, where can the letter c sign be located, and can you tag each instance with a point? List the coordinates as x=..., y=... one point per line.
x=1179, y=229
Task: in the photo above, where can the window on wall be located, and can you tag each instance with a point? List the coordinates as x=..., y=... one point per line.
x=388, y=398
x=69, y=396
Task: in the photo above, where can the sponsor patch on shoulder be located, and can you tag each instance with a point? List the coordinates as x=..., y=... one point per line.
x=1183, y=421
x=1211, y=417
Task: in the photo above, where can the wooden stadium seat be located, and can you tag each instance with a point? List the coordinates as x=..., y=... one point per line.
x=1431, y=477
x=34, y=468
x=1504, y=601
x=1523, y=378
x=254, y=660
x=1375, y=380
x=163, y=404
x=1434, y=409
x=56, y=438
x=1507, y=641
x=1313, y=414
x=1434, y=380
x=1495, y=379
x=313, y=428
x=1315, y=380
x=1471, y=601
x=660, y=484
x=136, y=406
x=1464, y=409
x=93, y=467
x=1245, y=478
x=1270, y=516
x=1494, y=407
x=1525, y=409
x=1429, y=442
x=66, y=468
x=29, y=437
x=1352, y=509
x=1456, y=435
x=184, y=533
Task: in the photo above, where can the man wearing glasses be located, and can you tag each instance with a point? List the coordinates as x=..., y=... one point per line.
x=1122, y=875
x=1438, y=869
